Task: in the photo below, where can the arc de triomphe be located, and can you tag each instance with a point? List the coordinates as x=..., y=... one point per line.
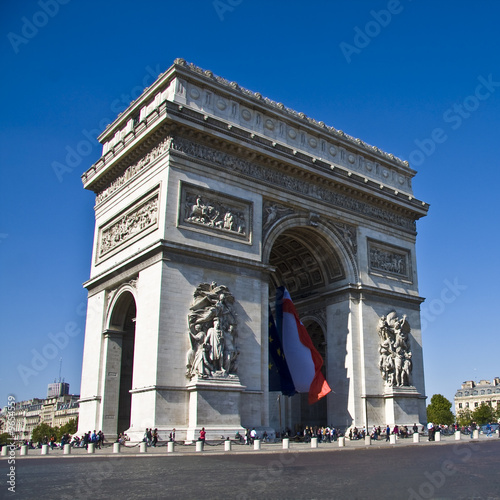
x=208, y=197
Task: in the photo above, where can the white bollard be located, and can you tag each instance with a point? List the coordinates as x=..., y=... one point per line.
x=91, y=448
x=143, y=447
x=45, y=449
x=227, y=445
x=392, y=439
x=199, y=445
x=458, y=435
x=256, y=444
x=416, y=437
x=286, y=443
x=67, y=449
x=24, y=450
x=314, y=442
x=116, y=447
x=368, y=440
x=437, y=437
x=4, y=451
x=475, y=434
x=341, y=442
x=170, y=447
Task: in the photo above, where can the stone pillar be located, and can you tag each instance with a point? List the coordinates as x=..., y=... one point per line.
x=91, y=448
x=143, y=447
x=67, y=449
x=286, y=443
x=227, y=445
x=24, y=450
x=199, y=445
x=4, y=451
x=392, y=439
x=256, y=444
x=416, y=437
x=437, y=437
x=368, y=440
x=45, y=449
x=458, y=435
x=314, y=442
x=170, y=447
x=116, y=447
x=341, y=442
x=475, y=434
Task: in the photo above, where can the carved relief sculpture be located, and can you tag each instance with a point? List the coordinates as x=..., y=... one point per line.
x=395, y=355
x=128, y=225
x=389, y=261
x=212, y=333
x=213, y=214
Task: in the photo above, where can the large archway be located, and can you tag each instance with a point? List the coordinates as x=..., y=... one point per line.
x=120, y=359
x=308, y=264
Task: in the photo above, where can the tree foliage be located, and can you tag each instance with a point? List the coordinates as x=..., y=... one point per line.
x=5, y=438
x=483, y=414
x=43, y=430
x=439, y=411
x=68, y=428
x=464, y=417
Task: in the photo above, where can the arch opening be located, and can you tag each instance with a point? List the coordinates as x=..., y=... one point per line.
x=120, y=360
x=308, y=264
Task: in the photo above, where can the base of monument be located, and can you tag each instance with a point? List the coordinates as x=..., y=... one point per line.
x=214, y=403
x=401, y=405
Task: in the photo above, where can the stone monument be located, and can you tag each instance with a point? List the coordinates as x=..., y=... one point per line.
x=208, y=197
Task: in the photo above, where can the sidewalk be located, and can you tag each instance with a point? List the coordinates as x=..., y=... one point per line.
x=217, y=448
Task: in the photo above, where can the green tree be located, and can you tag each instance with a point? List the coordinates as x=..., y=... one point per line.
x=464, y=417
x=42, y=430
x=439, y=411
x=68, y=428
x=483, y=414
x=5, y=438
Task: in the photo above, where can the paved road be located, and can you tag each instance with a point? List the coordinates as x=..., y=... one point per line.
x=462, y=470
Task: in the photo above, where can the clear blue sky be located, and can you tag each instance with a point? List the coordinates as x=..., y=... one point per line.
x=419, y=79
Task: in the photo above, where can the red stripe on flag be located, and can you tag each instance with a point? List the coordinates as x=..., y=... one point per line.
x=319, y=386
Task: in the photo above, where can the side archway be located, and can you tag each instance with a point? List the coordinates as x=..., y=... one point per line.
x=119, y=339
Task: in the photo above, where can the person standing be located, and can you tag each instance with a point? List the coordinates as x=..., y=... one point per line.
x=155, y=437
x=202, y=436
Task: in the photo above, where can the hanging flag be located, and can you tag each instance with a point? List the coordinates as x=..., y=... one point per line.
x=303, y=360
x=279, y=374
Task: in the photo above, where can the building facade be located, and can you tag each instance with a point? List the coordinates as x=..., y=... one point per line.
x=472, y=394
x=208, y=197
x=53, y=411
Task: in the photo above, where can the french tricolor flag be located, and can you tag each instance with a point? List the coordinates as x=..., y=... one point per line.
x=303, y=360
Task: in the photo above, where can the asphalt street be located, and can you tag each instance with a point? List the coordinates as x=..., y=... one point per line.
x=462, y=470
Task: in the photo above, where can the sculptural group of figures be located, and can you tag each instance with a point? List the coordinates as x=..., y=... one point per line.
x=215, y=215
x=395, y=355
x=212, y=332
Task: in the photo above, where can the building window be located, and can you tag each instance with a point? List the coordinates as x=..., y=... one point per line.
x=475, y=405
x=460, y=405
x=467, y=405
